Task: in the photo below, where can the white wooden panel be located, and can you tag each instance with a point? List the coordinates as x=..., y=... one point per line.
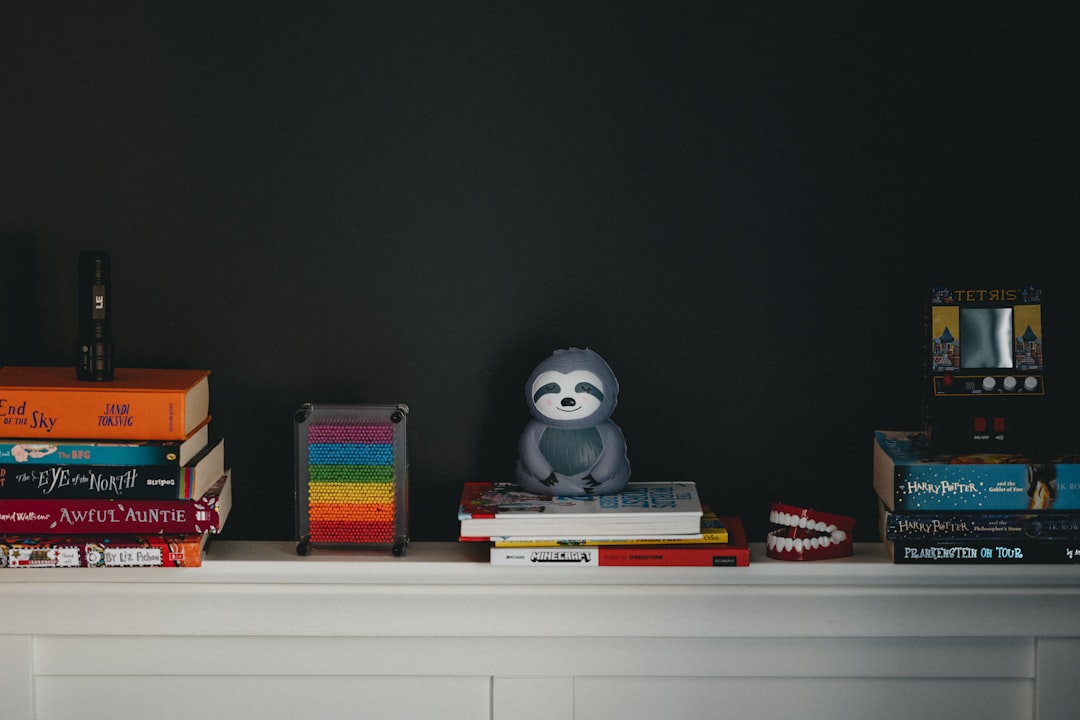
x=1058, y=685
x=806, y=699
x=533, y=698
x=478, y=611
x=16, y=678
x=537, y=657
x=265, y=698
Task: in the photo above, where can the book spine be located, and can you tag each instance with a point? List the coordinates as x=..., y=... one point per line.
x=101, y=414
x=715, y=538
x=974, y=488
x=636, y=556
x=101, y=551
x=990, y=525
x=37, y=452
x=984, y=552
x=129, y=482
x=675, y=556
x=136, y=517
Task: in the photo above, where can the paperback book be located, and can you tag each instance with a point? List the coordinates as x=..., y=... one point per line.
x=26, y=451
x=137, y=404
x=131, y=482
x=1004, y=551
x=98, y=551
x=1055, y=526
x=734, y=553
x=713, y=531
x=643, y=508
x=78, y=516
x=908, y=479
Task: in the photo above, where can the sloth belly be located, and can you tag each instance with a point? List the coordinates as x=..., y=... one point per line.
x=571, y=452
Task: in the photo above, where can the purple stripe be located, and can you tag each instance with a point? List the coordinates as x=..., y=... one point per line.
x=350, y=433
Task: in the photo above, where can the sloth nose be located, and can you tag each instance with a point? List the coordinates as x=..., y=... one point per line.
x=568, y=402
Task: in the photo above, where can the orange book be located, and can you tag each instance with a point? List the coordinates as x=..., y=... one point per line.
x=137, y=404
x=58, y=551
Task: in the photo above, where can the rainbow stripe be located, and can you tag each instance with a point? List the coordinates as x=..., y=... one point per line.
x=352, y=497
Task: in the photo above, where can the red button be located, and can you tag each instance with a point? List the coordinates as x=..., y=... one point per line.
x=980, y=424
x=999, y=424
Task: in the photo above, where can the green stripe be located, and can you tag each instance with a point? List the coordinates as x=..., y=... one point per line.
x=351, y=473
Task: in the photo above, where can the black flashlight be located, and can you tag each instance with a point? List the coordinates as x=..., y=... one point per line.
x=94, y=348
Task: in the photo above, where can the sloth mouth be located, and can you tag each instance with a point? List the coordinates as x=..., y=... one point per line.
x=569, y=409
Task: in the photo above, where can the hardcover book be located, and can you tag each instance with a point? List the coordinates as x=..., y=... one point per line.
x=26, y=451
x=712, y=532
x=735, y=553
x=96, y=551
x=130, y=482
x=908, y=478
x=643, y=508
x=137, y=404
x=77, y=516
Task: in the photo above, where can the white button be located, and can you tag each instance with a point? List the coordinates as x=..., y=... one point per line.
x=989, y=383
x=1009, y=383
x=1030, y=383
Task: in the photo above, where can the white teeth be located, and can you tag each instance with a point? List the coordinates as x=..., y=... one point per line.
x=775, y=542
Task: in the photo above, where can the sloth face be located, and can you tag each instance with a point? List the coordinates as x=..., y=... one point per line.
x=567, y=396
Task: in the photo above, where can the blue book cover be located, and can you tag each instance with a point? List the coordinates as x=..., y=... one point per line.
x=908, y=478
x=38, y=451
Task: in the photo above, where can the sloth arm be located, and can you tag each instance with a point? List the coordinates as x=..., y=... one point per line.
x=529, y=450
x=614, y=450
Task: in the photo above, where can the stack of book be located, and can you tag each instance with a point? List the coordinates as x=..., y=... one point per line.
x=122, y=473
x=975, y=508
x=647, y=524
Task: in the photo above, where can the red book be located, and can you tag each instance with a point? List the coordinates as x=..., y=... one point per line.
x=78, y=516
x=734, y=553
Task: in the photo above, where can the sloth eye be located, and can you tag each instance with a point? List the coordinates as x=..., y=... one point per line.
x=549, y=389
x=589, y=389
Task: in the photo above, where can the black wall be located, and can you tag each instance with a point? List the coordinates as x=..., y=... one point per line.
x=741, y=206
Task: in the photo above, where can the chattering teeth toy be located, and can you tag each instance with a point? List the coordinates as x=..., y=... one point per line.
x=571, y=447
x=806, y=534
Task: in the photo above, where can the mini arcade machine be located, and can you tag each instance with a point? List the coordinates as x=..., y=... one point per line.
x=986, y=386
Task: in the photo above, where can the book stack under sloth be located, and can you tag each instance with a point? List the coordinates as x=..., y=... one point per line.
x=647, y=524
x=991, y=508
x=121, y=473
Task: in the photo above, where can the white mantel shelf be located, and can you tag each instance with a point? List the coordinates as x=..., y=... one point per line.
x=541, y=642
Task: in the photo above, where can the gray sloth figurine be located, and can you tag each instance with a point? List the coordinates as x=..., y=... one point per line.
x=571, y=447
